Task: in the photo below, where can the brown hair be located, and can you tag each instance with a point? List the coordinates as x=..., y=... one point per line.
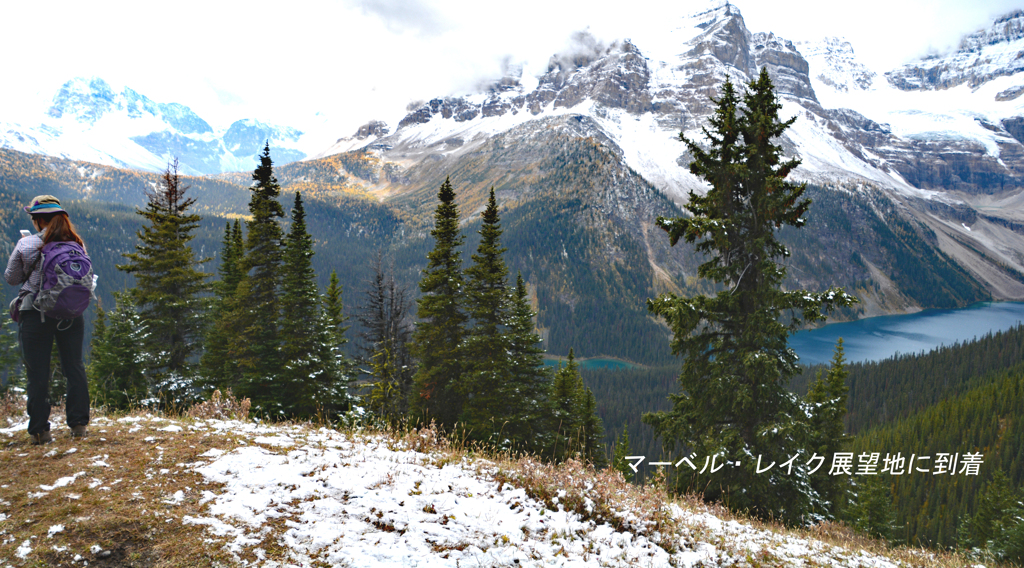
x=58, y=228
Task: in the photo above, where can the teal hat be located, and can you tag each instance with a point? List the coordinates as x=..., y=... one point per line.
x=43, y=204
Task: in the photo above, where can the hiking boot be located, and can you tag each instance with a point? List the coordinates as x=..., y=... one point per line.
x=41, y=438
x=79, y=431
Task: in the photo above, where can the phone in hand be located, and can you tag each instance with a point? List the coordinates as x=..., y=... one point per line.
x=25, y=233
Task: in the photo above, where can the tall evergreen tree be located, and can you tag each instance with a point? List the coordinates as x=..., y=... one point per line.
x=304, y=375
x=334, y=308
x=529, y=379
x=576, y=428
x=169, y=286
x=873, y=512
x=333, y=394
x=437, y=340
x=997, y=526
x=619, y=462
x=387, y=330
x=827, y=407
x=591, y=429
x=96, y=342
x=732, y=400
x=117, y=371
x=566, y=410
x=486, y=382
x=256, y=344
x=219, y=369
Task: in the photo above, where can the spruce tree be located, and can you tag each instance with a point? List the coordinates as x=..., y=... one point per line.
x=997, y=525
x=303, y=373
x=437, y=341
x=387, y=329
x=169, y=287
x=120, y=360
x=591, y=428
x=486, y=383
x=873, y=512
x=97, y=342
x=332, y=394
x=220, y=370
x=334, y=308
x=383, y=397
x=566, y=408
x=827, y=407
x=619, y=462
x=732, y=400
x=333, y=320
x=529, y=379
x=255, y=346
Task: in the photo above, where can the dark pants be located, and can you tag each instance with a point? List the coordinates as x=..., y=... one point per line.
x=36, y=337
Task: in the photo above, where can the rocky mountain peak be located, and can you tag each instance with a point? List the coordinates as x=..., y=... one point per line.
x=1004, y=30
x=724, y=37
x=84, y=99
x=88, y=100
x=982, y=56
x=376, y=128
x=833, y=63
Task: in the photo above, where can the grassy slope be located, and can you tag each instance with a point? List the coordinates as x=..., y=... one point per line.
x=122, y=509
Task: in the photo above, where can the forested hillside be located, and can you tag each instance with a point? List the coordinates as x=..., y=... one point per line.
x=931, y=505
x=579, y=227
x=893, y=389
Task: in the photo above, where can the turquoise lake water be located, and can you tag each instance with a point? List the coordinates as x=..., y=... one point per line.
x=877, y=338
x=596, y=363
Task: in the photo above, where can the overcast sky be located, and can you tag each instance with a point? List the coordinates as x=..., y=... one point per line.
x=283, y=62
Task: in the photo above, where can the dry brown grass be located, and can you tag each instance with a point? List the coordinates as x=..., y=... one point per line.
x=12, y=406
x=600, y=496
x=121, y=514
x=604, y=497
x=221, y=407
x=124, y=514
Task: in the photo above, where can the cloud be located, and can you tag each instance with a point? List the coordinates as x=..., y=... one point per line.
x=402, y=15
x=582, y=48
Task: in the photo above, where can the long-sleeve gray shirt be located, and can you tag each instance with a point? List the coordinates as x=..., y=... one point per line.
x=22, y=268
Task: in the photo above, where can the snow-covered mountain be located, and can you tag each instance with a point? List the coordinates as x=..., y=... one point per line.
x=941, y=137
x=89, y=121
x=856, y=123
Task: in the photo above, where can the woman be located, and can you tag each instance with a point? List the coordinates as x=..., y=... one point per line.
x=37, y=333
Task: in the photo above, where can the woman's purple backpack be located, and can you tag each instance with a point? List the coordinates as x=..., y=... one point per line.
x=68, y=281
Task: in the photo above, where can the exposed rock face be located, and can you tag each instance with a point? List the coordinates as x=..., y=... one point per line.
x=1010, y=94
x=1015, y=127
x=788, y=69
x=373, y=128
x=982, y=56
x=619, y=79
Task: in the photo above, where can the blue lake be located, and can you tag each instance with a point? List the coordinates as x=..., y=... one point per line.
x=595, y=363
x=877, y=338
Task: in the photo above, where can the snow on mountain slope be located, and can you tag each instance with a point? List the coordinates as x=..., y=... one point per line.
x=89, y=121
x=855, y=126
x=981, y=57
